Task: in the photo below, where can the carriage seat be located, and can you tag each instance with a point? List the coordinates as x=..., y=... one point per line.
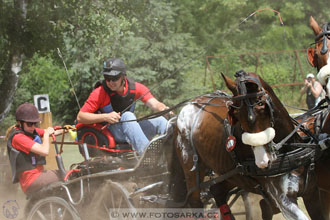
x=100, y=141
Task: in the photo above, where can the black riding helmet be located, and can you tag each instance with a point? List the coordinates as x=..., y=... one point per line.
x=114, y=67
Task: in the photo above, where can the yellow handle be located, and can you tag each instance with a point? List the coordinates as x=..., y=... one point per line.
x=73, y=134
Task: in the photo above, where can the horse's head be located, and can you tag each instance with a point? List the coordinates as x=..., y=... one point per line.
x=253, y=108
x=260, y=113
x=319, y=55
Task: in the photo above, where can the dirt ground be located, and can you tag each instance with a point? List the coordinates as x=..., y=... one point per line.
x=256, y=212
x=13, y=200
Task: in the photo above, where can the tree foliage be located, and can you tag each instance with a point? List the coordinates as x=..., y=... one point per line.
x=163, y=43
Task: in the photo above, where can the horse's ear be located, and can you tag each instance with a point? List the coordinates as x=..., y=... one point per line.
x=315, y=26
x=311, y=56
x=230, y=84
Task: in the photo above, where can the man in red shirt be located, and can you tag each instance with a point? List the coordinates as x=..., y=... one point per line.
x=27, y=152
x=114, y=101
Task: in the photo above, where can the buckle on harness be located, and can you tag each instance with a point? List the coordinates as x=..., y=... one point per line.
x=195, y=158
x=325, y=143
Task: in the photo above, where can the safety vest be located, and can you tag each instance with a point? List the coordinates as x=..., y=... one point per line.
x=310, y=99
x=19, y=160
x=119, y=103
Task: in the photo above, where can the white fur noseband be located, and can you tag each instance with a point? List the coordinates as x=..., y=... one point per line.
x=258, y=139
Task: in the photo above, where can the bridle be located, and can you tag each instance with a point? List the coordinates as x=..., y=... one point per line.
x=324, y=35
x=242, y=78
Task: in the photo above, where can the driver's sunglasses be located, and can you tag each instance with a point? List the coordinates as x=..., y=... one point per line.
x=112, y=78
x=30, y=124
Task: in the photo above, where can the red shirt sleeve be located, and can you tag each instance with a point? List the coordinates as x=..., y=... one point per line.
x=97, y=99
x=24, y=143
x=142, y=90
x=40, y=131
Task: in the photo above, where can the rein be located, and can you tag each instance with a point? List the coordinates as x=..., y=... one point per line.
x=164, y=112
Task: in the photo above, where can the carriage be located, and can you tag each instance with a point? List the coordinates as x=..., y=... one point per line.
x=113, y=179
x=111, y=176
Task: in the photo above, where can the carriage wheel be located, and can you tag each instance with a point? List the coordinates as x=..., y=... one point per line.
x=52, y=208
x=110, y=201
x=235, y=197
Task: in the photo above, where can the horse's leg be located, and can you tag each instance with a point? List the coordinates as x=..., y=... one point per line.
x=325, y=203
x=322, y=170
x=220, y=192
x=284, y=190
x=266, y=210
x=178, y=188
x=313, y=204
x=312, y=197
x=190, y=176
x=191, y=182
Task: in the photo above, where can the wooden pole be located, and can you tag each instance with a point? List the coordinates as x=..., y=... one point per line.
x=46, y=121
x=300, y=66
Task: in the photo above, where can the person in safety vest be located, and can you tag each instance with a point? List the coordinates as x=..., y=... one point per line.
x=114, y=101
x=27, y=151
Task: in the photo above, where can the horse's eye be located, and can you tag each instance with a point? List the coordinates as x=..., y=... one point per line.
x=260, y=104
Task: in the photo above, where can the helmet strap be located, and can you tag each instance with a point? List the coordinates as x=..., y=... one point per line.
x=21, y=125
x=122, y=81
x=25, y=132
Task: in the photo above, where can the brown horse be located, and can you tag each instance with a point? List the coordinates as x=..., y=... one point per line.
x=320, y=59
x=201, y=137
x=256, y=121
x=202, y=134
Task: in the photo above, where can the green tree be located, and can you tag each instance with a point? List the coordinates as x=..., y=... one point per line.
x=88, y=32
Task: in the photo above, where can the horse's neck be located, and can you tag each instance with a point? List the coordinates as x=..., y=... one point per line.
x=283, y=124
x=325, y=123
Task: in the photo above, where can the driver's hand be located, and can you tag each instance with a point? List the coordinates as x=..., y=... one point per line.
x=112, y=117
x=169, y=114
x=50, y=130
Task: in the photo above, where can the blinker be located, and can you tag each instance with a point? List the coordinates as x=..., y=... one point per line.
x=230, y=143
x=324, y=49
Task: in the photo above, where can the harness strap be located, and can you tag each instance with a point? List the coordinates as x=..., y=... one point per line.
x=248, y=96
x=322, y=34
x=280, y=144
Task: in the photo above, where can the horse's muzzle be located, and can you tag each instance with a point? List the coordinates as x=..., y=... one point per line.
x=257, y=141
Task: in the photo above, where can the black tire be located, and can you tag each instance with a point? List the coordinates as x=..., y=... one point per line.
x=109, y=202
x=52, y=208
x=94, y=136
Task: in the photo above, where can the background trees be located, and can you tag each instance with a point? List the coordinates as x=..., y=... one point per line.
x=164, y=44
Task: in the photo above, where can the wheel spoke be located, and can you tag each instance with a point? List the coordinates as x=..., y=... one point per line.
x=112, y=202
x=106, y=209
x=234, y=200
x=64, y=213
x=120, y=202
x=51, y=211
x=52, y=208
x=41, y=215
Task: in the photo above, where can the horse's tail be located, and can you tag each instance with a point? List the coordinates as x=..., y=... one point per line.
x=177, y=183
